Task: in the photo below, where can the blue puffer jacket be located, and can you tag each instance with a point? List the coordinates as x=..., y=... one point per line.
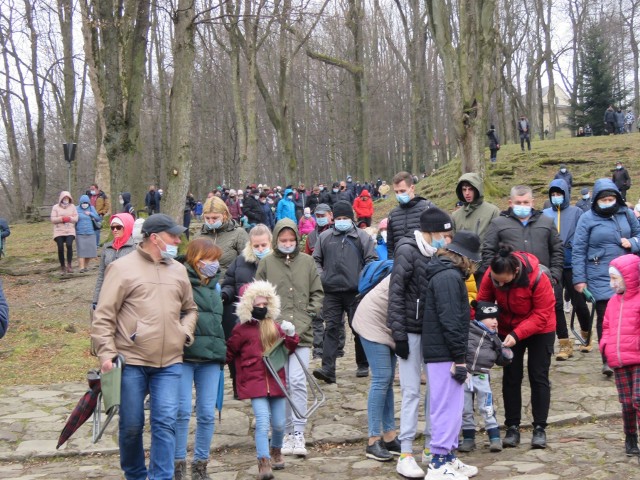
x=567, y=215
x=597, y=242
x=85, y=225
x=286, y=208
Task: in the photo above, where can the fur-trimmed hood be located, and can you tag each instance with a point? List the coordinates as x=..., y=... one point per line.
x=259, y=288
x=248, y=254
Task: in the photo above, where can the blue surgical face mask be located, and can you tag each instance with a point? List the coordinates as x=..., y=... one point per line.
x=605, y=205
x=170, y=251
x=522, y=211
x=563, y=170
x=586, y=197
x=439, y=243
x=557, y=201
x=403, y=198
x=343, y=225
x=261, y=254
x=335, y=190
x=322, y=221
x=286, y=250
x=209, y=269
x=214, y=226
x=84, y=205
x=92, y=192
x=618, y=167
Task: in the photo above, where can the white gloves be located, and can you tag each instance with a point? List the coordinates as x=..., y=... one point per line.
x=288, y=328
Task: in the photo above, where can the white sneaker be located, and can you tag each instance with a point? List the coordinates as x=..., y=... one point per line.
x=407, y=467
x=426, y=457
x=445, y=472
x=567, y=307
x=466, y=470
x=299, y=447
x=287, y=444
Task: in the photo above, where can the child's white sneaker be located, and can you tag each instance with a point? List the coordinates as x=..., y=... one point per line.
x=426, y=457
x=445, y=472
x=466, y=470
x=407, y=467
x=299, y=444
x=287, y=444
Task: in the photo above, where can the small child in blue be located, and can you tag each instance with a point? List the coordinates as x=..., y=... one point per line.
x=483, y=351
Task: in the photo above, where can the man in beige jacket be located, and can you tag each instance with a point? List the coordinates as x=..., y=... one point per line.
x=146, y=312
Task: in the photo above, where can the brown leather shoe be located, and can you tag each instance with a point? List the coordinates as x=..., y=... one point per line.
x=264, y=469
x=277, y=460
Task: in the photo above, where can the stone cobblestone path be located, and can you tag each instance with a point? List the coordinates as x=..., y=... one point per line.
x=585, y=438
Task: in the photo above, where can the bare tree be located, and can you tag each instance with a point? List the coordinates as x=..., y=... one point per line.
x=464, y=32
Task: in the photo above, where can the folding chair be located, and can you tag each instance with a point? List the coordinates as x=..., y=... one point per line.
x=110, y=394
x=577, y=332
x=275, y=359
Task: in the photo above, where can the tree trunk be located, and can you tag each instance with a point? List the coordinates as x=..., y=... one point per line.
x=180, y=107
x=543, y=8
x=467, y=69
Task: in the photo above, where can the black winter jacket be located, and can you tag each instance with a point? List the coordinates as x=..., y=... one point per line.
x=446, y=314
x=484, y=349
x=253, y=210
x=341, y=256
x=539, y=237
x=406, y=290
x=241, y=271
x=404, y=220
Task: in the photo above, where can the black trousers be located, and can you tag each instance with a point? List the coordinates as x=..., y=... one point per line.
x=333, y=309
x=61, y=241
x=601, y=306
x=561, y=320
x=318, y=336
x=577, y=301
x=186, y=221
x=540, y=351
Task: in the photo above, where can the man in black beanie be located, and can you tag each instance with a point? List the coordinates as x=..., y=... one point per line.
x=340, y=254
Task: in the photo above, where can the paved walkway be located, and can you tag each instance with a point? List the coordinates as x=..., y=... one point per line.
x=585, y=434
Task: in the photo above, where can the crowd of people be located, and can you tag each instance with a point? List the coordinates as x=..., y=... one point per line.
x=467, y=290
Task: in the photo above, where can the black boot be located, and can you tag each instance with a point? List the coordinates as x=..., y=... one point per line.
x=631, y=444
x=512, y=437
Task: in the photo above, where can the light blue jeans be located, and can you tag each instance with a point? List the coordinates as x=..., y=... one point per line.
x=382, y=362
x=163, y=385
x=269, y=411
x=205, y=376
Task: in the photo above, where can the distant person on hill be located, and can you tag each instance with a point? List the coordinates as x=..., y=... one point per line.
x=584, y=203
x=363, y=206
x=383, y=189
x=564, y=174
x=620, y=121
x=523, y=130
x=100, y=202
x=494, y=143
x=610, y=120
x=152, y=200
x=404, y=220
x=4, y=312
x=629, y=118
x=125, y=201
x=588, y=131
x=622, y=180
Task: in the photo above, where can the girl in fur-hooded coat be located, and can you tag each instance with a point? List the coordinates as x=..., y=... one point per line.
x=256, y=333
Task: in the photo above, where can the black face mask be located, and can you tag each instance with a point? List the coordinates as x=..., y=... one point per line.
x=259, y=313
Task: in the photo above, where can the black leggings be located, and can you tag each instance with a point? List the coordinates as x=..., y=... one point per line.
x=68, y=239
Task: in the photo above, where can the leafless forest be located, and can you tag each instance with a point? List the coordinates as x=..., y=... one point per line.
x=189, y=94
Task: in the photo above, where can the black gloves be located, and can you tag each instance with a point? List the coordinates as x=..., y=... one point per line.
x=460, y=374
x=402, y=349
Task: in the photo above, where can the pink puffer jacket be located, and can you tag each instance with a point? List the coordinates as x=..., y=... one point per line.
x=621, y=328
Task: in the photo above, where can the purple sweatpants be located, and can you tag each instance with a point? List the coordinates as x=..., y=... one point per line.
x=447, y=402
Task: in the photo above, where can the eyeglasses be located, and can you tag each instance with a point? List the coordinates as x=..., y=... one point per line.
x=116, y=227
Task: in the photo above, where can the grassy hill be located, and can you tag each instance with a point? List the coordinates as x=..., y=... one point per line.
x=587, y=158
x=48, y=336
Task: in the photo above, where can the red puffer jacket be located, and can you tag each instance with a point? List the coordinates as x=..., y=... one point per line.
x=253, y=380
x=620, y=340
x=363, y=205
x=523, y=310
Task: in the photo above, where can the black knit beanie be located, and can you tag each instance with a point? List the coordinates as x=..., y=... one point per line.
x=435, y=220
x=342, y=209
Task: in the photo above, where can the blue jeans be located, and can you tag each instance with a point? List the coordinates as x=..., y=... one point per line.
x=269, y=411
x=206, y=377
x=382, y=363
x=163, y=385
x=97, y=233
